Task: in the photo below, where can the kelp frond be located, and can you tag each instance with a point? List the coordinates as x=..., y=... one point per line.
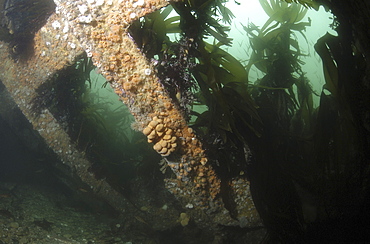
x=306, y=3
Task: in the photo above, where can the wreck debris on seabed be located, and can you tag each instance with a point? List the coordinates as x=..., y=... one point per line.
x=100, y=28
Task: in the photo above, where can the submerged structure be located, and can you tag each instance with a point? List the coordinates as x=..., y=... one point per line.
x=100, y=29
x=304, y=164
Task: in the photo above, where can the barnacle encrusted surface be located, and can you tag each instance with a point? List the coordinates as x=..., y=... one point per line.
x=100, y=28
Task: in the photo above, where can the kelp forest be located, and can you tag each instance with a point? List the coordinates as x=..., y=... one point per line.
x=304, y=151
x=297, y=155
x=308, y=165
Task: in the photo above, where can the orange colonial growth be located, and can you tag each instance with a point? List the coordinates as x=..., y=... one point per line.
x=100, y=28
x=105, y=37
